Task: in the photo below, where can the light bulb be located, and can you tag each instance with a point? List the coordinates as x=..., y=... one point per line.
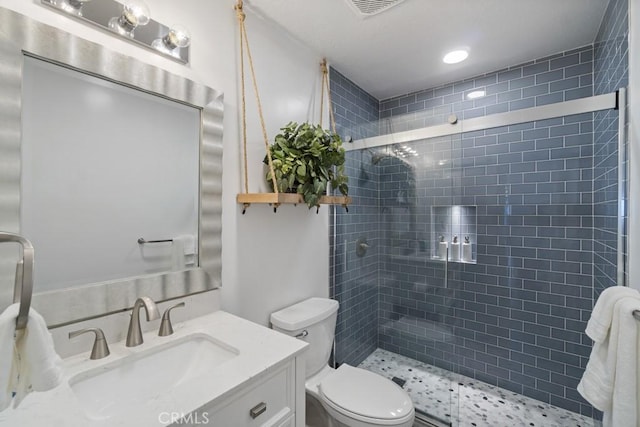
x=177, y=37
x=137, y=13
x=134, y=14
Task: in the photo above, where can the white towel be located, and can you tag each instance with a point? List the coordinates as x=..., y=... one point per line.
x=184, y=251
x=601, y=317
x=8, y=352
x=610, y=381
x=189, y=244
x=32, y=364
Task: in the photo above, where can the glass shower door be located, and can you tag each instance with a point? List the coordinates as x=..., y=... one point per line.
x=418, y=226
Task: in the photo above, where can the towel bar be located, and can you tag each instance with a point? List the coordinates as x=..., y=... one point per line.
x=142, y=241
x=23, y=287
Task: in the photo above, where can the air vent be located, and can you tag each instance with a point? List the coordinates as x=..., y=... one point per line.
x=372, y=7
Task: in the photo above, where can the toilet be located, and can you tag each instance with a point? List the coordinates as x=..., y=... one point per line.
x=351, y=396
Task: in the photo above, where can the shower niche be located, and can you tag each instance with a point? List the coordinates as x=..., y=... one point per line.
x=454, y=233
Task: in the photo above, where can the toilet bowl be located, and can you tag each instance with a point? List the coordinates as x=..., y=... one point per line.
x=359, y=398
x=351, y=396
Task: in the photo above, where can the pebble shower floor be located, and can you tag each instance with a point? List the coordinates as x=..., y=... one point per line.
x=475, y=404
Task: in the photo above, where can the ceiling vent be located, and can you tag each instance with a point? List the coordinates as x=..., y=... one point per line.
x=372, y=7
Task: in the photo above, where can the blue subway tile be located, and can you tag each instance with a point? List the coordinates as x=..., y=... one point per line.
x=549, y=76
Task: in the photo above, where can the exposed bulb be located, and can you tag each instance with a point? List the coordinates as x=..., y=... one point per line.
x=137, y=13
x=134, y=14
x=177, y=37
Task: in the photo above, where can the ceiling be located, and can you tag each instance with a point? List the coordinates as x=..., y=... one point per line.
x=400, y=50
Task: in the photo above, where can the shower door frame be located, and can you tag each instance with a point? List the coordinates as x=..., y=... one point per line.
x=590, y=104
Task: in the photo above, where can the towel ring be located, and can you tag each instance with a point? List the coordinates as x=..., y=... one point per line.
x=23, y=288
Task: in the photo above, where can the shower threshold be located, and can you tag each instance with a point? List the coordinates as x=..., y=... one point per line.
x=447, y=399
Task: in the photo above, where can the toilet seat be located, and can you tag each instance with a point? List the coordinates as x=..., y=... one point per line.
x=366, y=397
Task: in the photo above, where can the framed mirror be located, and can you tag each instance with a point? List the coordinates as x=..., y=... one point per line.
x=34, y=53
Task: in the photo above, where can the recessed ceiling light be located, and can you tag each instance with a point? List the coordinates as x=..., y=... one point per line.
x=455, y=56
x=476, y=94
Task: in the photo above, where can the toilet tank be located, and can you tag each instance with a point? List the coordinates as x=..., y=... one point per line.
x=316, y=316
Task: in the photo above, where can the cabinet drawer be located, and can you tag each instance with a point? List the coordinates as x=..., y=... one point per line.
x=289, y=422
x=266, y=402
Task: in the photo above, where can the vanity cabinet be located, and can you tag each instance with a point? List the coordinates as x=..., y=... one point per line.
x=267, y=400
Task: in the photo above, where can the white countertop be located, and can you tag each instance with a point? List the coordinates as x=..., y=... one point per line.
x=260, y=350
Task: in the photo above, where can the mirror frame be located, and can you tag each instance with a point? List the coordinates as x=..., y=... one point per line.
x=20, y=36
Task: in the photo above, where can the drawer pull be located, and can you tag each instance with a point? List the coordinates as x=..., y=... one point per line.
x=258, y=410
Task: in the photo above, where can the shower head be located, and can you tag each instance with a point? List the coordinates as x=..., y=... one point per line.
x=379, y=156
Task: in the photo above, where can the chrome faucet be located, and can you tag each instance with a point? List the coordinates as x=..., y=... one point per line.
x=134, y=335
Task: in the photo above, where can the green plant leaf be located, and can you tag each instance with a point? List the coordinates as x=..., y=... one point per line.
x=305, y=159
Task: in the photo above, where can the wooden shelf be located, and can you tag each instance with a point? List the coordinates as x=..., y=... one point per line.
x=278, y=199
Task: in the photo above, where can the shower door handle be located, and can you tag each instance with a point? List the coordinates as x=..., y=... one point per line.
x=446, y=268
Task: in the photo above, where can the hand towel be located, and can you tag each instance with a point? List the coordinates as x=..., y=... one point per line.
x=189, y=244
x=35, y=364
x=610, y=382
x=8, y=368
x=624, y=401
x=185, y=251
x=601, y=317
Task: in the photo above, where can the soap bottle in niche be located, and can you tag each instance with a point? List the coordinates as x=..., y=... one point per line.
x=466, y=250
x=442, y=248
x=455, y=249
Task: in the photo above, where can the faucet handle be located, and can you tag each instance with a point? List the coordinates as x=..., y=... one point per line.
x=165, y=324
x=100, y=348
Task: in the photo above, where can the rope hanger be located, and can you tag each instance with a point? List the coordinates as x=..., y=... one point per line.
x=325, y=84
x=244, y=46
x=244, y=41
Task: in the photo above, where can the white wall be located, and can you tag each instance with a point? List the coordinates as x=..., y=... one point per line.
x=269, y=260
x=634, y=143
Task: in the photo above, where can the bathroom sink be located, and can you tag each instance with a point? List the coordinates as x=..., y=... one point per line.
x=138, y=378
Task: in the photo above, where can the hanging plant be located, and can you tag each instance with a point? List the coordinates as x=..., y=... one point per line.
x=306, y=159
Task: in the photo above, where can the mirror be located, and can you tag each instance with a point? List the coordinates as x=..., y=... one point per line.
x=102, y=165
x=31, y=51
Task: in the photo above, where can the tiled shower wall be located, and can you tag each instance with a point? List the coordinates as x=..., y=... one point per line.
x=516, y=318
x=610, y=70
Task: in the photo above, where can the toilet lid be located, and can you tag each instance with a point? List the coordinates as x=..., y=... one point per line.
x=365, y=393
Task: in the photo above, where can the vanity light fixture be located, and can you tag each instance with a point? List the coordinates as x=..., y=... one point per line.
x=455, y=56
x=177, y=38
x=131, y=20
x=134, y=14
x=73, y=7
